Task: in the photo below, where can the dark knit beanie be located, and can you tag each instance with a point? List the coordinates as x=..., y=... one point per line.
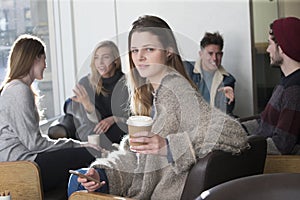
x=287, y=34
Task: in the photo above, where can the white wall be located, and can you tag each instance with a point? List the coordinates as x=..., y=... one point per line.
x=95, y=20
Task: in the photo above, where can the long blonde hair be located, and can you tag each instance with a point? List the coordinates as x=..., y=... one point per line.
x=24, y=51
x=95, y=78
x=141, y=90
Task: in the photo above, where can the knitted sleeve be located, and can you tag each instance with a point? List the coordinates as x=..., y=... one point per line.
x=200, y=129
x=119, y=168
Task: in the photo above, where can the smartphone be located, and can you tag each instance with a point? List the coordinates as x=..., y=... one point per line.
x=84, y=176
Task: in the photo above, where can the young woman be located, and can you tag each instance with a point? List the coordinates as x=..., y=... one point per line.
x=185, y=128
x=20, y=136
x=100, y=104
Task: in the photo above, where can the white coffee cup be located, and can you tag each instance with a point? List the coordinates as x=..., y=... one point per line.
x=94, y=139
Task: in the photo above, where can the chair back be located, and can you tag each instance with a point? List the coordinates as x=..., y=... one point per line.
x=219, y=166
x=22, y=179
x=275, y=186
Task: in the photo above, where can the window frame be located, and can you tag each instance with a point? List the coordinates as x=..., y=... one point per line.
x=61, y=39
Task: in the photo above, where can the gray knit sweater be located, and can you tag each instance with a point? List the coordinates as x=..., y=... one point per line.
x=20, y=136
x=192, y=128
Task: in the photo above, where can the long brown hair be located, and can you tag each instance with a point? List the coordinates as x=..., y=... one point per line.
x=95, y=78
x=141, y=90
x=24, y=51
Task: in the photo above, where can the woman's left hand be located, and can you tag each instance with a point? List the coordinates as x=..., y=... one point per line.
x=152, y=143
x=104, y=125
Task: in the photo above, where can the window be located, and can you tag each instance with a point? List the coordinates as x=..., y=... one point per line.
x=27, y=16
x=265, y=77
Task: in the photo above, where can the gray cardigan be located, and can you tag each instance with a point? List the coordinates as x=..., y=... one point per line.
x=192, y=128
x=20, y=136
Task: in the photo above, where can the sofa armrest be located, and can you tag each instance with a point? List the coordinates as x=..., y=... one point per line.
x=218, y=167
x=83, y=195
x=275, y=186
x=244, y=119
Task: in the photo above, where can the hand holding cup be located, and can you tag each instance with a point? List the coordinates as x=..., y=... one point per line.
x=150, y=143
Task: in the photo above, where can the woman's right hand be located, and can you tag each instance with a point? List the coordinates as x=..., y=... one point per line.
x=91, y=186
x=81, y=96
x=151, y=143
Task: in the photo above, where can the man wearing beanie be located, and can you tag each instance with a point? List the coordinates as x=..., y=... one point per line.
x=280, y=121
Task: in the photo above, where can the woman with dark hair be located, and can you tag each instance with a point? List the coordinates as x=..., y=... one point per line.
x=184, y=128
x=20, y=136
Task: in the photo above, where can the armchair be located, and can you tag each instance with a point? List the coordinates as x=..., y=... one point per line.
x=276, y=186
x=23, y=180
x=215, y=168
x=218, y=167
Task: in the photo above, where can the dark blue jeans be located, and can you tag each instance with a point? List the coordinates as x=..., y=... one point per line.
x=74, y=185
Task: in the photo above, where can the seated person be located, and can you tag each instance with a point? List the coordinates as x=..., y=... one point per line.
x=185, y=128
x=100, y=102
x=279, y=122
x=20, y=135
x=214, y=83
